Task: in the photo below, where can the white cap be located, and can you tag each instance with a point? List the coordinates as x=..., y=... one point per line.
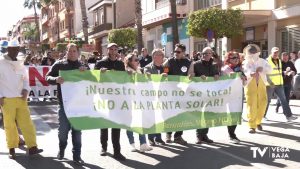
x=251, y=49
x=274, y=49
x=111, y=45
x=13, y=43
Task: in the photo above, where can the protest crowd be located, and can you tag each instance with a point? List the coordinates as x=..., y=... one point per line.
x=261, y=78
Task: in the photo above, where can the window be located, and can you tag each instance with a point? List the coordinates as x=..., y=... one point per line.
x=290, y=39
x=181, y=2
x=199, y=46
x=72, y=23
x=96, y=18
x=202, y=4
x=62, y=25
x=101, y=16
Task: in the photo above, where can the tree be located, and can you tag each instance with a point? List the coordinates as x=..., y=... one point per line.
x=124, y=37
x=174, y=23
x=223, y=23
x=85, y=23
x=34, y=4
x=138, y=22
x=30, y=33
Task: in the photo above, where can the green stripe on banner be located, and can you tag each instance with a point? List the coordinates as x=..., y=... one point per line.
x=183, y=121
x=124, y=77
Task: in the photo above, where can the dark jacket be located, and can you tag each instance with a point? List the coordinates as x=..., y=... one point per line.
x=110, y=65
x=145, y=61
x=152, y=69
x=287, y=80
x=53, y=73
x=177, y=66
x=206, y=68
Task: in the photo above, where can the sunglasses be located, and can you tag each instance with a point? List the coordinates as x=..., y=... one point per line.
x=234, y=58
x=208, y=53
x=178, y=52
x=135, y=60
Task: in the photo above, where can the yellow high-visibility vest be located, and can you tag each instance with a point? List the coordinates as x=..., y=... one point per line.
x=276, y=75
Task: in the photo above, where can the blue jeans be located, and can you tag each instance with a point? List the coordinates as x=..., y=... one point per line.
x=157, y=136
x=142, y=137
x=279, y=91
x=287, y=92
x=63, y=131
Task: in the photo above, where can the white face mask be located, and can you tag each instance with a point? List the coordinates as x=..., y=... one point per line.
x=254, y=57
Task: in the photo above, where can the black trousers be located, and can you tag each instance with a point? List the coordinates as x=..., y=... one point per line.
x=177, y=134
x=231, y=131
x=203, y=132
x=115, y=139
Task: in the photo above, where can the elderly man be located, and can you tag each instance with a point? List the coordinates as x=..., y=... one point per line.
x=205, y=67
x=276, y=84
x=14, y=87
x=111, y=62
x=155, y=67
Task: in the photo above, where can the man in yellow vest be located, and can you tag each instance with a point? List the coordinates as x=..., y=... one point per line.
x=275, y=85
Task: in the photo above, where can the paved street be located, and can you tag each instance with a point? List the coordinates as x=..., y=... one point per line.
x=221, y=154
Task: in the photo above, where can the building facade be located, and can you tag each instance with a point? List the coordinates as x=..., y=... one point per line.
x=157, y=23
x=267, y=24
x=21, y=32
x=62, y=21
x=106, y=15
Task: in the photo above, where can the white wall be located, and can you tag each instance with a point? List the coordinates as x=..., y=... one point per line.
x=109, y=15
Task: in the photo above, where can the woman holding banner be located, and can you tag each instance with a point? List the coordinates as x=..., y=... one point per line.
x=232, y=64
x=132, y=66
x=255, y=69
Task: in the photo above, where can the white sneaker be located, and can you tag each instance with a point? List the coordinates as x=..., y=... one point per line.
x=291, y=118
x=133, y=149
x=145, y=147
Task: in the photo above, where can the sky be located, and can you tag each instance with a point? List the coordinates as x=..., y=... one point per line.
x=11, y=11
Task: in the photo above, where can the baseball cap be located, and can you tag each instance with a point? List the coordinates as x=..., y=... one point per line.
x=13, y=43
x=274, y=49
x=111, y=45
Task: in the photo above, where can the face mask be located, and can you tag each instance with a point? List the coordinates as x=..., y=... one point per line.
x=254, y=57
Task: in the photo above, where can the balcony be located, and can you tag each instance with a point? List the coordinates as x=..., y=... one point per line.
x=100, y=28
x=162, y=14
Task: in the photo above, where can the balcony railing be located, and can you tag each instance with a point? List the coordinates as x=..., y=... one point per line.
x=100, y=28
